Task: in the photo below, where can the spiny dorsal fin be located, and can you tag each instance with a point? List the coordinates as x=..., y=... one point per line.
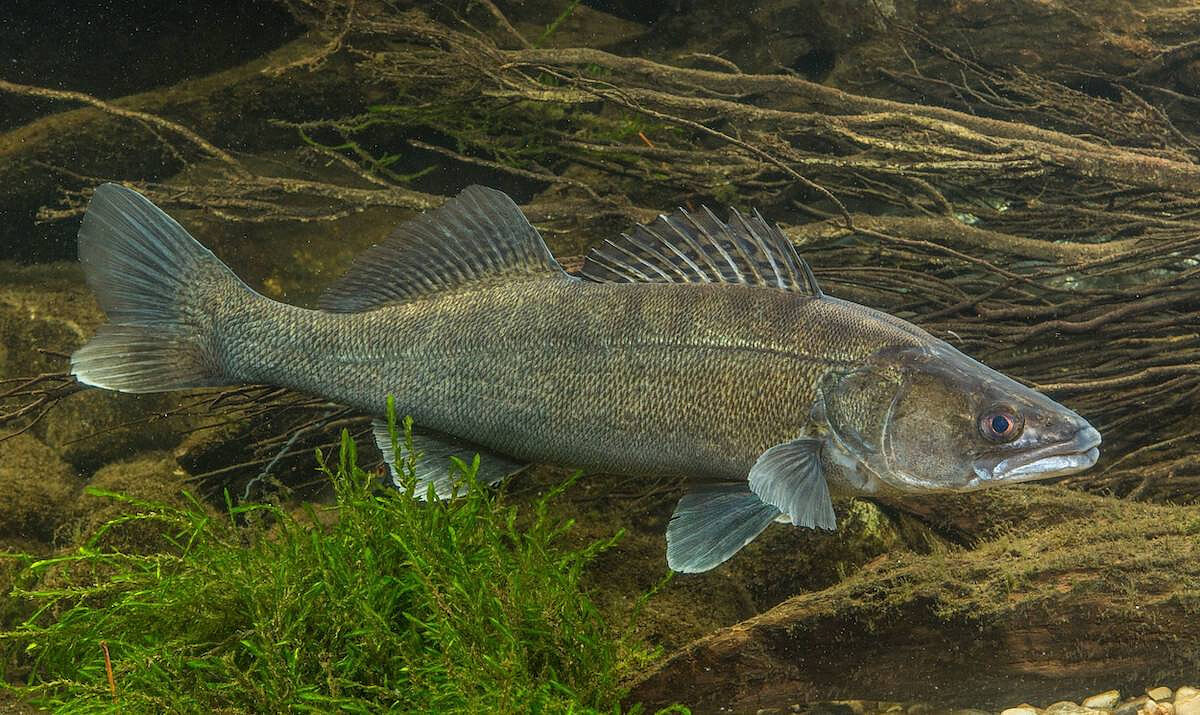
x=476, y=239
x=686, y=248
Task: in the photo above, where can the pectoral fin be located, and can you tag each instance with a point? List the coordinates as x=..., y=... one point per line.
x=711, y=523
x=434, y=466
x=788, y=476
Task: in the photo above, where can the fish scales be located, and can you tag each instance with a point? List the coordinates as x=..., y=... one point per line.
x=625, y=378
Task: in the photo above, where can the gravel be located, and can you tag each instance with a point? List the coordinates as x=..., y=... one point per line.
x=1156, y=700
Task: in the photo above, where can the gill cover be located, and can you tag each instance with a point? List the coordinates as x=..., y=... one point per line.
x=928, y=418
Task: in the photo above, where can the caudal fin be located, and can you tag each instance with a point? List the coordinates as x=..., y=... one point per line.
x=151, y=278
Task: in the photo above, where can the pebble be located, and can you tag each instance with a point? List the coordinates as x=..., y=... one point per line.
x=1131, y=707
x=1103, y=701
x=1158, y=700
x=1066, y=707
x=1187, y=703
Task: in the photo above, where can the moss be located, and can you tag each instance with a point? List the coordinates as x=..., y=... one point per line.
x=395, y=605
x=152, y=477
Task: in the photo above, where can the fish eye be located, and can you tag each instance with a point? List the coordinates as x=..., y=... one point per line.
x=1001, y=424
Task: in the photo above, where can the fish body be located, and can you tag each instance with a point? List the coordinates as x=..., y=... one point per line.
x=683, y=379
x=692, y=348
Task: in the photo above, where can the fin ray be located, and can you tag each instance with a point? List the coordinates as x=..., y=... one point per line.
x=475, y=239
x=711, y=523
x=151, y=279
x=788, y=476
x=699, y=248
x=433, y=465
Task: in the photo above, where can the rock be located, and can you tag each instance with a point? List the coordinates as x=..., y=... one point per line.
x=35, y=488
x=1153, y=708
x=890, y=602
x=42, y=308
x=1022, y=710
x=1132, y=706
x=1187, y=701
x=94, y=427
x=154, y=477
x=1103, y=701
x=1066, y=707
x=1160, y=693
x=832, y=708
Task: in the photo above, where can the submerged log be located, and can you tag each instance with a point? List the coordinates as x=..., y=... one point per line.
x=1098, y=593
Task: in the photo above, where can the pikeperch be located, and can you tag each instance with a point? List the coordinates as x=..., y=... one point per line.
x=691, y=347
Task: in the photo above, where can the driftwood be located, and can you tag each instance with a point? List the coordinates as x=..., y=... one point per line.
x=1103, y=594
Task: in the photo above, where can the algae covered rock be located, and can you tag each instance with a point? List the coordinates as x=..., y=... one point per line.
x=149, y=478
x=780, y=563
x=35, y=488
x=787, y=560
x=45, y=312
x=94, y=427
x=1093, y=597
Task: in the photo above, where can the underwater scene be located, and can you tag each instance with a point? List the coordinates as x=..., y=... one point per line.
x=582, y=356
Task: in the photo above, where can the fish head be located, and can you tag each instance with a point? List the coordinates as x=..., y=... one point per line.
x=928, y=418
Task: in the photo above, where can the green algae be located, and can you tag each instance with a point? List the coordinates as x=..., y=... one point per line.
x=380, y=603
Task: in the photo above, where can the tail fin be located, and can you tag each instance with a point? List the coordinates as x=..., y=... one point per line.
x=150, y=277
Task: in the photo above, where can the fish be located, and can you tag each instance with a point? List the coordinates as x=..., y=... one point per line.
x=689, y=347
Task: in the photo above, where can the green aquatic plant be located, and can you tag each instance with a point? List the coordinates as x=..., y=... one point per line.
x=393, y=605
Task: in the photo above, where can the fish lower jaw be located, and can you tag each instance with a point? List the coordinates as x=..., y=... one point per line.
x=1048, y=467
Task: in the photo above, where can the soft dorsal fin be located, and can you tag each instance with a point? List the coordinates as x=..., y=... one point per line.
x=687, y=248
x=475, y=239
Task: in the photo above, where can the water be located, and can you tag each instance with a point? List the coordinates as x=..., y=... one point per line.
x=1027, y=197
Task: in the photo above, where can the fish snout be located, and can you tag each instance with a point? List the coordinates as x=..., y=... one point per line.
x=1074, y=454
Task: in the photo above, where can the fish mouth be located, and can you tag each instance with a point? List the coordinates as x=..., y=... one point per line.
x=1055, y=460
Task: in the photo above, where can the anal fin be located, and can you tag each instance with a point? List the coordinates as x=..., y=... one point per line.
x=433, y=464
x=711, y=523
